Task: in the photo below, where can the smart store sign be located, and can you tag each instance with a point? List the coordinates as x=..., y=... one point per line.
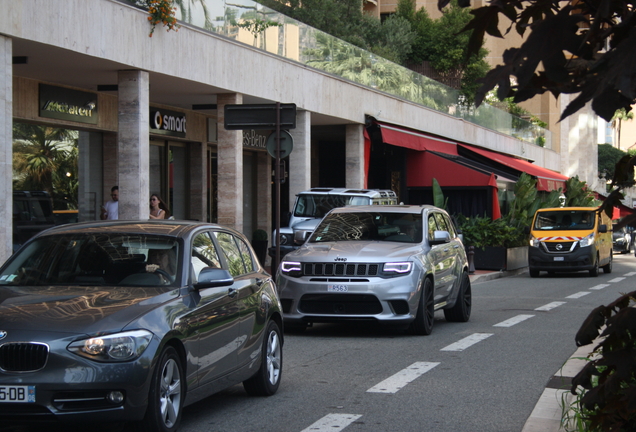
x=167, y=122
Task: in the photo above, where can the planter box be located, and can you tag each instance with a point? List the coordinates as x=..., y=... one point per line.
x=500, y=258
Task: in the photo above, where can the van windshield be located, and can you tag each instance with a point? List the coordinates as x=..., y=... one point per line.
x=564, y=220
x=317, y=206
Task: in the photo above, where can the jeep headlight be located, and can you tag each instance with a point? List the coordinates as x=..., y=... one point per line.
x=291, y=268
x=114, y=347
x=587, y=240
x=398, y=268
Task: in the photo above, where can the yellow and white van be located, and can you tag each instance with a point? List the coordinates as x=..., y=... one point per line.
x=570, y=239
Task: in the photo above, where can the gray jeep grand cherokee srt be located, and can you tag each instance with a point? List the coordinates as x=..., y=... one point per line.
x=391, y=264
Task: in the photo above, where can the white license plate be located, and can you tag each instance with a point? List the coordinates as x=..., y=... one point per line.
x=15, y=394
x=558, y=258
x=337, y=288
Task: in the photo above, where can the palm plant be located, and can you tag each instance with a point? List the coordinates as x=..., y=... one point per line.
x=45, y=158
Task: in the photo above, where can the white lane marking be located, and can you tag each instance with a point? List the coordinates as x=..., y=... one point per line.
x=332, y=422
x=402, y=378
x=468, y=341
x=550, y=306
x=630, y=274
x=599, y=287
x=514, y=320
x=579, y=294
x=618, y=279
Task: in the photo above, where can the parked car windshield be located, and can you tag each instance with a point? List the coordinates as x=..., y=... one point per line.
x=564, y=220
x=113, y=259
x=369, y=226
x=317, y=206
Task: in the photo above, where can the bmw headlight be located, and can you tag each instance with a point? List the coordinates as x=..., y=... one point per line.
x=587, y=240
x=398, y=268
x=114, y=347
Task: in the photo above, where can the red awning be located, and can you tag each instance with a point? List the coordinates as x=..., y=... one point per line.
x=422, y=167
x=403, y=137
x=547, y=180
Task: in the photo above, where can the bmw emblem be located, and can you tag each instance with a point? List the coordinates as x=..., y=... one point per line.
x=3, y=334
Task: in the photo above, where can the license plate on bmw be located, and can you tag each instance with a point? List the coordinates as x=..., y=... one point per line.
x=337, y=288
x=13, y=394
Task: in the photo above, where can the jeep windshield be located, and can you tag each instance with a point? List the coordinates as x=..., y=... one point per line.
x=564, y=220
x=317, y=206
x=369, y=226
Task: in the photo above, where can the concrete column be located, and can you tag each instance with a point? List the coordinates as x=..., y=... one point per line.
x=198, y=181
x=133, y=144
x=6, y=148
x=354, y=156
x=300, y=157
x=230, y=167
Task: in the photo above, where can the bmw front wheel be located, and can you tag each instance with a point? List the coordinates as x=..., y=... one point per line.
x=165, y=400
x=266, y=381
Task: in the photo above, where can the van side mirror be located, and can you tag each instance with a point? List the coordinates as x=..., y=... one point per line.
x=602, y=228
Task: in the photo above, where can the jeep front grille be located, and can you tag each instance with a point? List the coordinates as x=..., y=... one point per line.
x=340, y=269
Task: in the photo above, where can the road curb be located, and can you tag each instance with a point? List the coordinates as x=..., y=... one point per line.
x=483, y=277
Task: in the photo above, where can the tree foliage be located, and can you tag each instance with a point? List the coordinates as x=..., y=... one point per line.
x=442, y=43
x=584, y=48
x=608, y=157
x=406, y=37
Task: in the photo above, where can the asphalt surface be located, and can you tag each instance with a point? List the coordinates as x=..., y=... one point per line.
x=547, y=414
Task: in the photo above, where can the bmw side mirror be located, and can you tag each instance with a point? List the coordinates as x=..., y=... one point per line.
x=213, y=277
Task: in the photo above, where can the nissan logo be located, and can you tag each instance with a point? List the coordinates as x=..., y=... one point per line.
x=559, y=246
x=3, y=334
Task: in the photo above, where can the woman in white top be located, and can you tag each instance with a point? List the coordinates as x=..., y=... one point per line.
x=158, y=209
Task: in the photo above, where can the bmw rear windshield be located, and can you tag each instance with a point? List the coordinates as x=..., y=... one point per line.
x=369, y=226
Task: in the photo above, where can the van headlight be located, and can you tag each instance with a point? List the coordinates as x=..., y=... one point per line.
x=587, y=240
x=534, y=242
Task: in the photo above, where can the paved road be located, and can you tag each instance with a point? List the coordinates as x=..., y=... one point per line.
x=484, y=375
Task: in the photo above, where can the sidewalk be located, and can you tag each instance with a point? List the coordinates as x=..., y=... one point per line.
x=548, y=412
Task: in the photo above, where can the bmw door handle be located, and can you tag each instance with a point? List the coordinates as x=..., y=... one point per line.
x=232, y=292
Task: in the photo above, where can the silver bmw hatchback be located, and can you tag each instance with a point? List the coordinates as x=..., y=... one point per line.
x=391, y=264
